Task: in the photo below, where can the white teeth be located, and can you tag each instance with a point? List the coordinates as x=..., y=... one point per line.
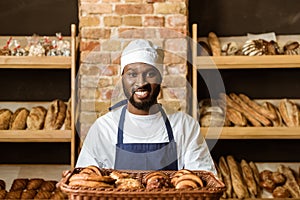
x=140, y=93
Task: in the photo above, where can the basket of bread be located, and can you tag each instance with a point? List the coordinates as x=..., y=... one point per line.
x=97, y=183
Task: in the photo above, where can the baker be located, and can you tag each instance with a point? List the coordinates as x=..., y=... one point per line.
x=137, y=134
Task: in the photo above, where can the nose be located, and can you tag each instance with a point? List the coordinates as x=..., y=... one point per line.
x=140, y=80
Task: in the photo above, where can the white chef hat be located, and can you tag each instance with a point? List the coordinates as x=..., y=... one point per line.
x=144, y=51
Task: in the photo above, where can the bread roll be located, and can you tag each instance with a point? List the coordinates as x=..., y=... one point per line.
x=56, y=115
x=36, y=118
x=5, y=115
x=18, y=119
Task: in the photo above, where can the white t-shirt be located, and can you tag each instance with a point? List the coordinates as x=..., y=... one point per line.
x=99, y=147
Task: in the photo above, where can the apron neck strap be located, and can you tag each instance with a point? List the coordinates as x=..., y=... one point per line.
x=120, y=103
x=122, y=120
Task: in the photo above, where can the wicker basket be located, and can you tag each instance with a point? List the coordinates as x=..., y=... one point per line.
x=213, y=190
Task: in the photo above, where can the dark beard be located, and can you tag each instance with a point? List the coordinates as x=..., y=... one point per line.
x=145, y=105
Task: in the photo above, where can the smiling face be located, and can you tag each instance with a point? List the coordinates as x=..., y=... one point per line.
x=141, y=85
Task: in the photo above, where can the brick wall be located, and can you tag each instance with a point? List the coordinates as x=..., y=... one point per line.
x=105, y=28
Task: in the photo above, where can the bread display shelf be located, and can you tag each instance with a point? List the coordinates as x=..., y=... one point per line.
x=247, y=62
x=33, y=62
x=35, y=136
x=42, y=62
x=251, y=132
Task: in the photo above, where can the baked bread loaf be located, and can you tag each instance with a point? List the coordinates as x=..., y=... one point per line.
x=5, y=115
x=226, y=176
x=238, y=185
x=289, y=112
x=249, y=178
x=277, y=121
x=214, y=44
x=128, y=183
x=18, y=119
x=36, y=118
x=281, y=192
x=56, y=115
x=67, y=122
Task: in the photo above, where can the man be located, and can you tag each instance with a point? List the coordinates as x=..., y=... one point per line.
x=137, y=134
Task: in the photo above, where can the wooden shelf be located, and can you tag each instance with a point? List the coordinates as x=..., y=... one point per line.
x=35, y=136
x=34, y=62
x=246, y=62
x=251, y=132
x=42, y=62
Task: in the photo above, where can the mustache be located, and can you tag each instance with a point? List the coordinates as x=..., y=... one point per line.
x=146, y=87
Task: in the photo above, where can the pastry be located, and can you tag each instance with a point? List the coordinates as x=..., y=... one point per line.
x=56, y=115
x=278, y=178
x=19, y=184
x=91, y=170
x=156, y=179
x=28, y=194
x=34, y=183
x=128, y=183
x=88, y=177
x=214, y=44
x=16, y=194
x=58, y=195
x=281, y=192
x=48, y=186
x=18, y=119
x=90, y=184
x=191, y=177
x=230, y=48
x=238, y=185
x=36, y=118
x=255, y=47
x=118, y=175
x=5, y=115
x=3, y=194
x=179, y=173
x=43, y=195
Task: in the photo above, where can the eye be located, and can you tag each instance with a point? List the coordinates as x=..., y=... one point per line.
x=151, y=74
x=131, y=74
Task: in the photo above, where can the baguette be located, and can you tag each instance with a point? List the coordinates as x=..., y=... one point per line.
x=289, y=112
x=249, y=178
x=236, y=117
x=214, y=44
x=272, y=108
x=237, y=181
x=236, y=106
x=258, y=108
x=250, y=110
x=224, y=169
